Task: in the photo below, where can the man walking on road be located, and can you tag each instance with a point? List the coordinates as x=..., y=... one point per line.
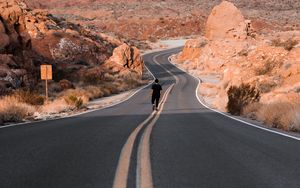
x=156, y=87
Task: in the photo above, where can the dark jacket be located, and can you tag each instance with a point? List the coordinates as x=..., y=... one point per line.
x=156, y=87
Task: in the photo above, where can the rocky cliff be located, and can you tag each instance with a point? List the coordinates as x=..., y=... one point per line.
x=29, y=38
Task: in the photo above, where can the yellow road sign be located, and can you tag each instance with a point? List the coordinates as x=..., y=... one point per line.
x=46, y=72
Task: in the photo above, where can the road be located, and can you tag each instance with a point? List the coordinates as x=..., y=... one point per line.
x=183, y=145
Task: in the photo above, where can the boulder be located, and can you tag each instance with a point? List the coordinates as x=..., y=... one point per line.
x=226, y=21
x=192, y=49
x=124, y=58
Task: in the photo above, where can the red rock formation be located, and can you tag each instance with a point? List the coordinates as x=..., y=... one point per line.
x=231, y=57
x=226, y=21
x=124, y=59
x=29, y=38
x=192, y=49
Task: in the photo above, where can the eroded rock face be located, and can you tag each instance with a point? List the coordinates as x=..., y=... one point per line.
x=29, y=38
x=126, y=58
x=226, y=21
x=192, y=49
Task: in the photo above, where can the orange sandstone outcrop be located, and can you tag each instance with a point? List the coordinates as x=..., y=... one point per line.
x=192, y=49
x=235, y=54
x=225, y=21
x=29, y=38
x=126, y=58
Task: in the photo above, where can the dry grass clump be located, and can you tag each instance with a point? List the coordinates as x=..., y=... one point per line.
x=93, y=77
x=266, y=69
x=288, y=45
x=56, y=106
x=74, y=101
x=241, y=96
x=250, y=110
x=269, y=66
x=94, y=92
x=22, y=104
x=265, y=87
x=12, y=110
x=282, y=115
x=29, y=97
x=296, y=125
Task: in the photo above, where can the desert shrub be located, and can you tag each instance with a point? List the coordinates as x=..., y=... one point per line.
x=108, y=77
x=132, y=80
x=287, y=45
x=29, y=97
x=111, y=87
x=250, y=110
x=132, y=83
x=265, y=87
x=296, y=125
x=61, y=74
x=106, y=92
x=241, y=96
x=266, y=69
x=94, y=92
x=153, y=39
x=162, y=20
x=78, y=92
x=66, y=84
x=75, y=101
x=93, y=77
x=53, y=107
x=280, y=115
x=11, y=110
x=54, y=88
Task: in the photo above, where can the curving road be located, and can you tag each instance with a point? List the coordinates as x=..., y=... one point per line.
x=183, y=145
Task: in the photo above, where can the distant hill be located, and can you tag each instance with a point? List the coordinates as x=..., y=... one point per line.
x=145, y=19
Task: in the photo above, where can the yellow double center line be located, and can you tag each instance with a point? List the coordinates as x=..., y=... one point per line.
x=144, y=173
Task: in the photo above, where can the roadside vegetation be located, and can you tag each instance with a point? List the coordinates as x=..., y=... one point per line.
x=288, y=44
x=244, y=100
x=241, y=96
x=281, y=115
x=24, y=104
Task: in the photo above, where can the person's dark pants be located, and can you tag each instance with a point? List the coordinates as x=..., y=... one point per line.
x=155, y=99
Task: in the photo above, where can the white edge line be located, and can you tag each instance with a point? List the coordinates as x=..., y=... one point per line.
x=231, y=117
x=88, y=111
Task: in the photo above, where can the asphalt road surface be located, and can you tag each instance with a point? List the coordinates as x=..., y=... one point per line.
x=183, y=145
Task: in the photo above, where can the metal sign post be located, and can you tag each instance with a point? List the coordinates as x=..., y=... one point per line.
x=46, y=74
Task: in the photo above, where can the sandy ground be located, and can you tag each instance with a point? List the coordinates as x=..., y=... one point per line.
x=111, y=100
